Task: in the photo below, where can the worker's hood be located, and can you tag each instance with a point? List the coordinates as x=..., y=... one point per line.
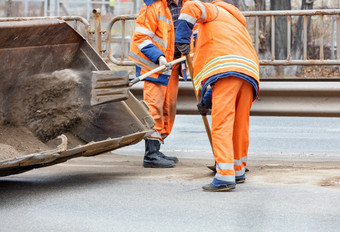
x=232, y=10
x=149, y=2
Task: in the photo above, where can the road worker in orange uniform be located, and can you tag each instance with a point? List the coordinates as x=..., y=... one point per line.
x=226, y=73
x=152, y=44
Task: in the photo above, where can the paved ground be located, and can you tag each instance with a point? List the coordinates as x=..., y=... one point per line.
x=284, y=191
x=114, y=193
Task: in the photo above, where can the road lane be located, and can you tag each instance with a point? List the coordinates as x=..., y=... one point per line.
x=270, y=138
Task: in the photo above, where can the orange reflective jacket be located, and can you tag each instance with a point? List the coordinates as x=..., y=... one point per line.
x=153, y=37
x=223, y=43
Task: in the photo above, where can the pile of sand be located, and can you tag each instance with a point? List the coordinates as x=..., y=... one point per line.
x=38, y=109
x=7, y=152
x=18, y=141
x=48, y=104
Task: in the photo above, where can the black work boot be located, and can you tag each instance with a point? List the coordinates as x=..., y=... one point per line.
x=172, y=158
x=153, y=157
x=167, y=157
x=164, y=156
x=219, y=186
x=213, y=188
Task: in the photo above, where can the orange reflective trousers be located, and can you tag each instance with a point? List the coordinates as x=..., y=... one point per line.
x=162, y=102
x=231, y=102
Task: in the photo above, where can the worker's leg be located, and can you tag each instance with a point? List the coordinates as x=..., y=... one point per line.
x=169, y=107
x=241, y=130
x=154, y=98
x=170, y=101
x=224, y=97
x=153, y=95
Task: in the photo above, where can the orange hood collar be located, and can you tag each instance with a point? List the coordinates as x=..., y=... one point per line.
x=232, y=10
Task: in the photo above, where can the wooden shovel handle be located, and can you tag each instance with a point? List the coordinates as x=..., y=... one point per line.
x=205, y=120
x=153, y=71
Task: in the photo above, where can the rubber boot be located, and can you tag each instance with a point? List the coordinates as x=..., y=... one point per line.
x=153, y=158
x=164, y=156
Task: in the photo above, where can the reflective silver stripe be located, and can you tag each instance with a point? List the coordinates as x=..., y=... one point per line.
x=147, y=62
x=156, y=134
x=160, y=41
x=167, y=72
x=142, y=66
x=163, y=18
x=225, y=166
x=144, y=31
x=144, y=61
x=152, y=35
x=239, y=162
x=204, y=12
x=187, y=18
x=225, y=177
x=240, y=173
x=144, y=43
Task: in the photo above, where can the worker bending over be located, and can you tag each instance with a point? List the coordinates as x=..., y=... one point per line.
x=153, y=44
x=226, y=61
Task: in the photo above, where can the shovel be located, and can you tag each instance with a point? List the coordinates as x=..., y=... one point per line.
x=113, y=86
x=205, y=120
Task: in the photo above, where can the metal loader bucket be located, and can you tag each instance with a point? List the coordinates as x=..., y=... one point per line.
x=45, y=85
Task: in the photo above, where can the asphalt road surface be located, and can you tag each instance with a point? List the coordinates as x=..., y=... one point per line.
x=283, y=138
x=293, y=185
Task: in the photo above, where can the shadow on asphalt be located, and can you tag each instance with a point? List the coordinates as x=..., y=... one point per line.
x=32, y=187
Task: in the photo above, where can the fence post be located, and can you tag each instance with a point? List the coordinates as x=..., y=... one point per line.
x=88, y=10
x=9, y=8
x=333, y=37
x=338, y=37
x=97, y=24
x=26, y=8
x=52, y=7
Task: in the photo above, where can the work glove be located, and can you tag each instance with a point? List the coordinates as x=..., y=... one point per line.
x=183, y=48
x=162, y=61
x=177, y=53
x=203, y=109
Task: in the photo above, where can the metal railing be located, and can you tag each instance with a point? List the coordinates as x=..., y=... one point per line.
x=122, y=60
x=256, y=14
x=64, y=7
x=91, y=4
x=27, y=2
x=289, y=14
x=54, y=7
x=60, y=4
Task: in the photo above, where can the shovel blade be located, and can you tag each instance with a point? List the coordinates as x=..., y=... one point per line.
x=109, y=86
x=212, y=167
